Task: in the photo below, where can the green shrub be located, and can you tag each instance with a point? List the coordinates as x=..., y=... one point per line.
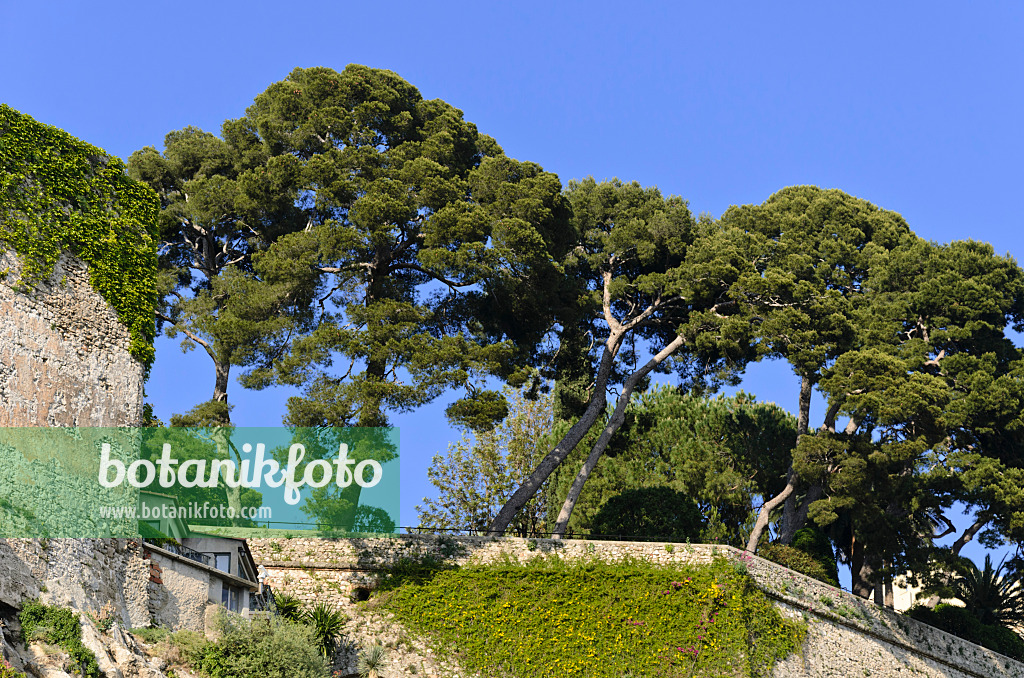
x=597, y=620
x=1004, y=641
x=371, y=662
x=58, y=626
x=7, y=671
x=960, y=622
x=800, y=561
x=816, y=544
x=650, y=512
x=264, y=647
x=151, y=635
x=289, y=607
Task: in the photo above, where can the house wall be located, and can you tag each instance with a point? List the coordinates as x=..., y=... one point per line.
x=178, y=592
x=216, y=545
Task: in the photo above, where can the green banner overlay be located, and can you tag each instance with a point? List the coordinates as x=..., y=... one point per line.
x=163, y=482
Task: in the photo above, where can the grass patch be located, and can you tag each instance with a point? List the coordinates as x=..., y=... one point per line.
x=596, y=619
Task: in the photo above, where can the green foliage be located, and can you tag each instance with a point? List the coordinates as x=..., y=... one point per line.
x=479, y=413
x=7, y=671
x=58, y=626
x=216, y=212
x=430, y=258
x=480, y=471
x=964, y=624
x=59, y=194
x=933, y=382
x=722, y=452
x=802, y=562
x=907, y=341
x=326, y=624
x=255, y=648
x=597, y=620
x=993, y=594
x=151, y=635
x=371, y=662
x=816, y=544
x=650, y=512
x=288, y=607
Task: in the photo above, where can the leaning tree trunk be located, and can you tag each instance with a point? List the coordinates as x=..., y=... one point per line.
x=764, y=515
x=982, y=520
x=556, y=456
x=618, y=416
x=795, y=519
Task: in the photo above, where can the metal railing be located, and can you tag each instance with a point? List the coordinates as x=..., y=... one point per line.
x=262, y=602
x=180, y=550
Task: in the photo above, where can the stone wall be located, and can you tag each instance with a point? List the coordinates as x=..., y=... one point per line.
x=85, y=574
x=847, y=636
x=64, y=358
x=146, y=584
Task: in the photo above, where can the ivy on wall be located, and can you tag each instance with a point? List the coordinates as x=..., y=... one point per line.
x=595, y=620
x=60, y=194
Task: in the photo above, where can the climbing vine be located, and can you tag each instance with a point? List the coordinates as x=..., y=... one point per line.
x=596, y=619
x=59, y=194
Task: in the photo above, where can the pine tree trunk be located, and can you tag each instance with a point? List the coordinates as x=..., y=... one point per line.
x=789, y=512
x=618, y=417
x=220, y=386
x=556, y=456
x=860, y=571
x=371, y=414
x=798, y=518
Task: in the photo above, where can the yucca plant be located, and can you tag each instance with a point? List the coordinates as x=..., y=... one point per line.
x=288, y=607
x=327, y=624
x=371, y=662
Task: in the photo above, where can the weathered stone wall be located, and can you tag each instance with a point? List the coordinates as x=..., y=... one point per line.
x=85, y=574
x=64, y=358
x=847, y=636
x=146, y=584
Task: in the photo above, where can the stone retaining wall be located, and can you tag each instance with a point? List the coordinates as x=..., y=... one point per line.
x=847, y=635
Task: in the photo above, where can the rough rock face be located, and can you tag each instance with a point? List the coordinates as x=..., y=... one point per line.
x=84, y=574
x=117, y=654
x=64, y=358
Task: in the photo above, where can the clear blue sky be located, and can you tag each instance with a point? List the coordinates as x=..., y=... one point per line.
x=914, y=106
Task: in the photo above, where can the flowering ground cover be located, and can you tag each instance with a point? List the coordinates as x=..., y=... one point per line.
x=595, y=619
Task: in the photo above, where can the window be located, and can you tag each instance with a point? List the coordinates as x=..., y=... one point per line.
x=231, y=598
x=221, y=561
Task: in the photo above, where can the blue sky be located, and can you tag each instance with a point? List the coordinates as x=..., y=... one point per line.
x=914, y=106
